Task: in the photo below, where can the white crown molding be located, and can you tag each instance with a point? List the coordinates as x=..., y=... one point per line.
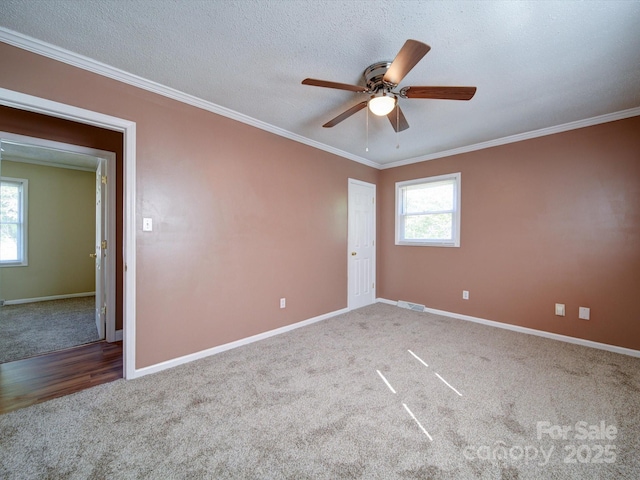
x=46, y=163
x=56, y=53
x=565, y=127
x=65, y=56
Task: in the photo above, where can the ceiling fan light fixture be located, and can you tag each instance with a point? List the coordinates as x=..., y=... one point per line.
x=382, y=105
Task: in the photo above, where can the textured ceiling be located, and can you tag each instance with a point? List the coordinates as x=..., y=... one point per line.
x=536, y=64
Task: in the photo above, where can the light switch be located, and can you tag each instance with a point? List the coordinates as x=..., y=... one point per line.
x=584, y=313
x=147, y=225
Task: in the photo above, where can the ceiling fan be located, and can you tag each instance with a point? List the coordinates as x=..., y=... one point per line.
x=382, y=78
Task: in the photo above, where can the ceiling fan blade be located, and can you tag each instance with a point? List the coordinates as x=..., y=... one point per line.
x=345, y=115
x=398, y=122
x=411, y=53
x=339, y=86
x=443, y=93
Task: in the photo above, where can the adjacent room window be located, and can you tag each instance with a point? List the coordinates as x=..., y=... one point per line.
x=13, y=221
x=428, y=211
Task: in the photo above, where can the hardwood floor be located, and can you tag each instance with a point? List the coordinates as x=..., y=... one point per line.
x=37, y=379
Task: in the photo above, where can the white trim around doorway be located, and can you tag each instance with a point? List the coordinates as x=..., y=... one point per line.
x=31, y=103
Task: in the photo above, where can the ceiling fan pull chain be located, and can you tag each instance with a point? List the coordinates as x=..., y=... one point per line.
x=397, y=126
x=367, y=123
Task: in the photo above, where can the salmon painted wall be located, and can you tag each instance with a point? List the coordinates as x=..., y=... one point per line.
x=241, y=217
x=549, y=220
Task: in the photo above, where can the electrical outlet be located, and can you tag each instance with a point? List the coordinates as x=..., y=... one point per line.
x=283, y=302
x=465, y=294
x=560, y=309
x=584, y=313
x=147, y=225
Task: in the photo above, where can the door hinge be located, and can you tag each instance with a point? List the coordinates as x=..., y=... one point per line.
x=373, y=285
x=104, y=310
x=104, y=179
x=373, y=200
x=103, y=244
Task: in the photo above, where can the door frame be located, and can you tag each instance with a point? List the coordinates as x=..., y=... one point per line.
x=353, y=181
x=109, y=210
x=31, y=103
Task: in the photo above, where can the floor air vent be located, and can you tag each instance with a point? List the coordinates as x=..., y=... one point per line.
x=416, y=307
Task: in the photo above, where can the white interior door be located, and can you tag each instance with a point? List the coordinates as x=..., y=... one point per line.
x=362, y=245
x=101, y=247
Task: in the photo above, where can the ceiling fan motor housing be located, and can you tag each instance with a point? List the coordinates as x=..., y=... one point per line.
x=373, y=76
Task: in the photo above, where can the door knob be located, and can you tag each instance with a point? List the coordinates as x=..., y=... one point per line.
x=353, y=254
x=93, y=255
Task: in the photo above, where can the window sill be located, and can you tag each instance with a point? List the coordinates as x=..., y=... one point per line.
x=426, y=244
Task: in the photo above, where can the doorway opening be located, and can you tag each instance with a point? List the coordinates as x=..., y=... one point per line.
x=126, y=265
x=62, y=292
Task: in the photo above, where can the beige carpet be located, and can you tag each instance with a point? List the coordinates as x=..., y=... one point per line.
x=30, y=329
x=317, y=403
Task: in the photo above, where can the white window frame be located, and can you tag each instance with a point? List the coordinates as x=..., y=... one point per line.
x=456, y=178
x=22, y=223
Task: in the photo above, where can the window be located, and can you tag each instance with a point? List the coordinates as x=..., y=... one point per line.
x=428, y=211
x=13, y=221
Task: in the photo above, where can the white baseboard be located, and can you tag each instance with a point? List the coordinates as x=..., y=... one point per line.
x=46, y=299
x=388, y=302
x=119, y=336
x=140, y=372
x=530, y=331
